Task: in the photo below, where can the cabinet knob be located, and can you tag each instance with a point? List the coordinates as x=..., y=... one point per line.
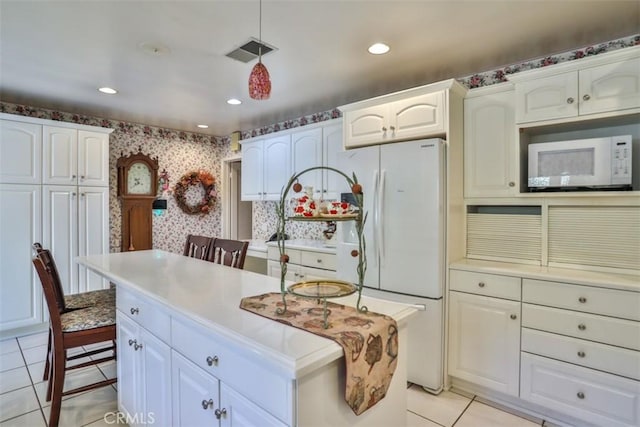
x=134, y=310
x=512, y=184
x=580, y=395
x=582, y=300
x=384, y=129
x=581, y=354
x=586, y=97
x=206, y=404
x=582, y=326
x=319, y=261
x=212, y=360
x=73, y=194
x=137, y=347
x=513, y=317
x=131, y=342
x=570, y=100
x=220, y=413
x=73, y=177
x=393, y=128
x=481, y=284
x=82, y=177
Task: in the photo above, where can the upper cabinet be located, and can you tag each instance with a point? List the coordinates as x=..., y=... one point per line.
x=20, y=152
x=583, y=90
x=408, y=118
x=266, y=167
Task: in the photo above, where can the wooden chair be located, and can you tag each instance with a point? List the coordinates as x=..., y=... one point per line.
x=229, y=252
x=198, y=246
x=71, y=329
x=102, y=297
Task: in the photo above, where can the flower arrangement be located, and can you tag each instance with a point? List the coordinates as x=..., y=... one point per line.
x=199, y=178
x=163, y=182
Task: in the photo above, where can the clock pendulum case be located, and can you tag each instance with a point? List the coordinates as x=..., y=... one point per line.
x=137, y=189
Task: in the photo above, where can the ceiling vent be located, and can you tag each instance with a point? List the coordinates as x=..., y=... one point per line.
x=250, y=50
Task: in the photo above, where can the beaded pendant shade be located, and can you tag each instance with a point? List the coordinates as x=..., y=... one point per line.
x=259, y=80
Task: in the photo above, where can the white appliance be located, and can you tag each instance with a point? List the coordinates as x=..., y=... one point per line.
x=404, y=197
x=594, y=163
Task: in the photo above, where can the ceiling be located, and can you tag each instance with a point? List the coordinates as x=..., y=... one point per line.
x=54, y=54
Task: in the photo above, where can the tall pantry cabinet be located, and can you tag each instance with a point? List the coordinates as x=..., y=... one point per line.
x=54, y=189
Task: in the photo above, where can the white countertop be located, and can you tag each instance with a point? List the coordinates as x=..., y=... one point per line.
x=627, y=282
x=210, y=295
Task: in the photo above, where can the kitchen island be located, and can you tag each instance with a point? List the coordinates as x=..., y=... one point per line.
x=188, y=355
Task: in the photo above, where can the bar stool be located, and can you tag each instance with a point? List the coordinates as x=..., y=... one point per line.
x=229, y=252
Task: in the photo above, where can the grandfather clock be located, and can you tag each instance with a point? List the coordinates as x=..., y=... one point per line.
x=137, y=189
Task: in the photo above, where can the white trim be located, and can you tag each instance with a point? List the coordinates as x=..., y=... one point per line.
x=56, y=123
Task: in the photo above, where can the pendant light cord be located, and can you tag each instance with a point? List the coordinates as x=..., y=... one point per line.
x=260, y=33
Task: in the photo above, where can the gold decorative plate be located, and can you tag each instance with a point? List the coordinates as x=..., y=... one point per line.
x=347, y=215
x=322, y=288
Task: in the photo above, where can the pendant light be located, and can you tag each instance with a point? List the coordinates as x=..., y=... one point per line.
x=259, y=81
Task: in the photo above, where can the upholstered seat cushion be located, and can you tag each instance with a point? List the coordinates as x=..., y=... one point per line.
x=88, y=318
x=90, y=299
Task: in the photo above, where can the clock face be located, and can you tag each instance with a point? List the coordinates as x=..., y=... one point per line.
x=139, y=179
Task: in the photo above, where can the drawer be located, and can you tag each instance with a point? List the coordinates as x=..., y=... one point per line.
x=244, y=372
x=610, y=302
x=273, y=253
x=596, y=397
x=607, y=330
x=148, y=315
x=615, y=360
x=485, y=284
x=318, y=260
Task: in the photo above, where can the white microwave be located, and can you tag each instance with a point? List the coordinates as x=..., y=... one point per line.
x=598, y=163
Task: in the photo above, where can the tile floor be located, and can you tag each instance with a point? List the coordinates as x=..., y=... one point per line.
x=22, y=392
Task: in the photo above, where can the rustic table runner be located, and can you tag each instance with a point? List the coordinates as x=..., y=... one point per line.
x=369, y=340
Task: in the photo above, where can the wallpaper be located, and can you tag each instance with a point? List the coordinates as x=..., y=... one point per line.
x=181, y=152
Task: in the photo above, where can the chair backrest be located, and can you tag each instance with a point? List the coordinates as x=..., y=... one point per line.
x=43, y=262
x=51, y=265
x=198, y=246
x=229, y=252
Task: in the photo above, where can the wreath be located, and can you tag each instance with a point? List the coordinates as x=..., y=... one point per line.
x=200, y=178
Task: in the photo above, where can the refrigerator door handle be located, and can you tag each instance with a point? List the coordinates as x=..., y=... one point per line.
x=380, y=207
x=376, y=248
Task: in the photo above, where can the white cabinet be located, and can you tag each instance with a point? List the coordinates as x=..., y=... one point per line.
x=318, y=147
x=266, y=167
x=238, y=411
x=74, y=156
x=20, y=225
x=303, y=264
x=410, y=118
x=484, y=331
x=196, y=394
x=93, y=233
x=144, y=374
x=20, y=152
x=490, y=146
x=597, y=89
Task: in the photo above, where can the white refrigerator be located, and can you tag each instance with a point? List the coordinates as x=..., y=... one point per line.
x=404, y=196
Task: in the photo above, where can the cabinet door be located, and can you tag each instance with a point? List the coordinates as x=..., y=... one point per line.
x=20, y=152
x=277, y=166
x=195, y=394
x=60, y=231
x=93, y=158
x=93, y=233
x=274, y=270
x=306, y=152
x=331, y=146
x=156, y=377
x=237, y=411
x=310, y=273
x=484, y=341
x=490, y=154
x=416, y=117
x=129, y=379
x=610, y=87
x=252, y=171
x=366, y=126
x=20, y=288
x=60, y=155
x=553, y=97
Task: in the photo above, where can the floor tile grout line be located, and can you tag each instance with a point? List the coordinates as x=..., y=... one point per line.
x=464, y=410
x=33, y=385
x=425, y=418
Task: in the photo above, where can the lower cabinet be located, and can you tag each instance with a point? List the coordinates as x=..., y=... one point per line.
x=303, y=264
x=144, y=375
x=196, y=394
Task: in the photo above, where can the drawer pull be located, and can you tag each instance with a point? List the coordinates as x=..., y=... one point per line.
x=212, y=360
x=134, y=310
x=319, y=261
x=207, y=403
x=220, y=413
x=570, y=100
x=582, y=326
x=481, y=284
x=513, y=317
x=582, y=300
x=581, y=354
x=132, y=342
x=580, y=395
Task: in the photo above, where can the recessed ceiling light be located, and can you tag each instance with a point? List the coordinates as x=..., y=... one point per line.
x=108, y=90
x=378, y=48
x=203, y=126
x=234, y=101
